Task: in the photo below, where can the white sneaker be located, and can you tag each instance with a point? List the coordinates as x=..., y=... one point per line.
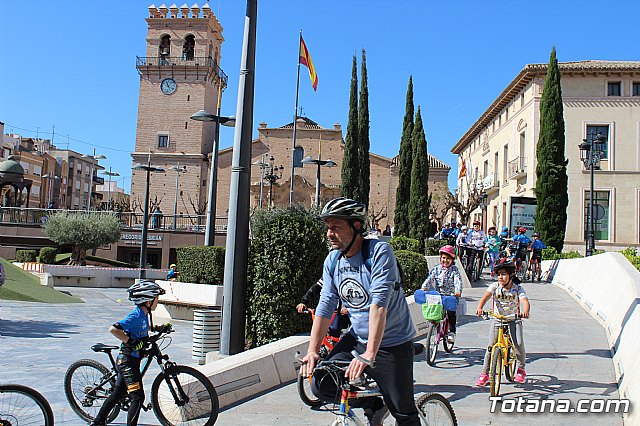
x=451, y=337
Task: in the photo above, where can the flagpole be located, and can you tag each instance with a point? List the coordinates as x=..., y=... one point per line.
x=295, y=126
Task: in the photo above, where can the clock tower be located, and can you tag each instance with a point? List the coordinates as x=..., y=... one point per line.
x=179, y=75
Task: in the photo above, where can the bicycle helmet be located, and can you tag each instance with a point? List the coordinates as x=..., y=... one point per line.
x=505, y=263
x=535, y=234
x=504, y=228
x=144, y=291
x=344, y=208
x=522, y=229
x=448, y=250
x=464, y=228
x=477, y=222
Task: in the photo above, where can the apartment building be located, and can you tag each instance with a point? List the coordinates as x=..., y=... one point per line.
x=80, y=184
x=499, y=151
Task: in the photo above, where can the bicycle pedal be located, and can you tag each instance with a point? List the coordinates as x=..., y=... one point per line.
x=147, y=407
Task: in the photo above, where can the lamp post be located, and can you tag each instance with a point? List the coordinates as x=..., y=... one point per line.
x=483, y=206
x=178, y=169
x=320, y=163
x=275, y=173
x=93, y=157
x=591, y=152
x=143, y=242
x=109, y=173
x=263, y=166
x=203, y=115
x=52, y=179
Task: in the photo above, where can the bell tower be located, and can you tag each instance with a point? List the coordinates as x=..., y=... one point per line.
x=179, y=75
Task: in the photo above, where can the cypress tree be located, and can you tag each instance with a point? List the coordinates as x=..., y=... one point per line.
x=403, y=193
x=551, y=170
x=420, y=225
x=350, y=163
x=363, y=134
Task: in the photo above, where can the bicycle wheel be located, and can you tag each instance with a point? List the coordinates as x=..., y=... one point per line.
x=448, y=347
x=23, y=406
x=198, y=404
x=304, y=390
x=510, y=366
x=435, y=410
x=523, y=270
x=464, y=261
x=87, y=385
x=479, y=263
x=432, y=344
x=495, y=372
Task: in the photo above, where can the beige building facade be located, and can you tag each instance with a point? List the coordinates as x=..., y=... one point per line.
x=499, y=151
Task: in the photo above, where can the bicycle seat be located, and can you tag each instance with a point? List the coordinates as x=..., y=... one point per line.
x=101, y=347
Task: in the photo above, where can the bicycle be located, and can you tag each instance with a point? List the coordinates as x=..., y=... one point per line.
x=180, y=395
x=433, y=408
x=438, y=331
x=503, y=353
x=534, y=264
x=21, y=405
x=304, y=383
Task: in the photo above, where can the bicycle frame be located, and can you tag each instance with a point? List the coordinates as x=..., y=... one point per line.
x=504, y=343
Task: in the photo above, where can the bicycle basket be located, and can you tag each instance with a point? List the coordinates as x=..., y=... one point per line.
x=450, y=303
x=432, y=310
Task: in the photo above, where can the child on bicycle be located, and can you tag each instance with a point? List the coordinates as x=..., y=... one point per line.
x=493, y=242
x=340, y=320
x=509, y=299
x=446, y=279
x=132, y=331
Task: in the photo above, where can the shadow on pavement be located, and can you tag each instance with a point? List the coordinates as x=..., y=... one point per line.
x=544, y=386
x=600, y=353
x=35, y=329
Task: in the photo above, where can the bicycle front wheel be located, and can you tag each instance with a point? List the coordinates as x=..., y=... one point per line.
x=87, y=385
x=20, y=405
x=510, y=366
x=304, y=390
x=435, y=410
x=495, y=372
x=185, y=397
x=432, y=344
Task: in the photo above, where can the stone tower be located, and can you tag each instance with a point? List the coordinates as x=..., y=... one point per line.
x=179, y=75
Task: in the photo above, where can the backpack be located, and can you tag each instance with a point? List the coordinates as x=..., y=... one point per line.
x=367, y=254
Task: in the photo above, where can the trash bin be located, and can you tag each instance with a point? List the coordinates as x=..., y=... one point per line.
x=206, y=333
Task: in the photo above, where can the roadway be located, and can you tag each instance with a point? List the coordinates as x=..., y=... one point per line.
x=567, y=358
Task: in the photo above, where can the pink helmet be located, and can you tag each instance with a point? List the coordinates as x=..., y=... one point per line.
x=448, y=250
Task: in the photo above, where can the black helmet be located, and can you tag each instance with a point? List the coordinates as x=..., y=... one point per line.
x=505, y=263
x=344, y=208
x=536, y=234
x=144, y=291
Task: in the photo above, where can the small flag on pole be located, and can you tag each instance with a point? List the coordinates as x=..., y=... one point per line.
x=463, y=170
x=305, y=59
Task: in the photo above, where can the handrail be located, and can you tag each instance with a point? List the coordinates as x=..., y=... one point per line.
x=161, y=61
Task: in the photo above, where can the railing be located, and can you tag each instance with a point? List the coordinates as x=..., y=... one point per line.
x=146, y=61
x=517, y=168
x=488, y=183
x=128, y=220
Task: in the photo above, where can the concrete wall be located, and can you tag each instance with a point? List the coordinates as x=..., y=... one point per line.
x=88, y=276
x=608, y=287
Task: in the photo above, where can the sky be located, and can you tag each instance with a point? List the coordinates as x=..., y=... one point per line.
x=71, y=63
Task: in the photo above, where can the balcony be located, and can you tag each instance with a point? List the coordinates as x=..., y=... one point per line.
x=491, y=183
x=517, y=168
x=178, y=64
x=98, y=180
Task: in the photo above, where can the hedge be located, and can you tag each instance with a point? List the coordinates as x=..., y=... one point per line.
x=630, y=254
x=286, y=257
x=405, y=243
x=432, y=247
x=414, y=266
x=48, y=255
x=200, y=264
x=550, y=253
x=26, y=256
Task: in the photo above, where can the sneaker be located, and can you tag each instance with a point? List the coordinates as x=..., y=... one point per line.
x=376, y=417
x=451, y=337
x=521, y=376
x=483, y=379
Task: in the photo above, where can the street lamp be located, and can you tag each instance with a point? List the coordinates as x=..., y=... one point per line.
x=50, y=192
x=93, y=157
x=263, y=166
x=143, y=242
x=275, y=173
x=178, y=169
x=483, y=205
x=319, y=162
x=109, y=173
x=203, y=115
x=591, y=152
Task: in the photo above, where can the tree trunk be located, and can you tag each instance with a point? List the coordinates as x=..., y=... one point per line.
x=78, y=256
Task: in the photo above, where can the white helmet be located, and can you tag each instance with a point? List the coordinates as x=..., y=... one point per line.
x=344, y=208
x=144, y=291
x=464, y=228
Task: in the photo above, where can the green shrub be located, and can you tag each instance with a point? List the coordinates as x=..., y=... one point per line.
x=630, y=254
x=570, y=255
x=286, y=257
x=405, y=243
x=201, y=264
x=48, y=255
x=550, y=253
x=415, y=269
x=26, y=256
x=432, y=247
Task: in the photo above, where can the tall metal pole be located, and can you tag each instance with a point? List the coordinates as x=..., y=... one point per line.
x=109, y=191
x=592, y=224
x=237, y=248
x=295, y=127
x=262, y=164
x=175, y=201
x=143, y=241
x=93, y=160
x=318, y=184
x=210, y=231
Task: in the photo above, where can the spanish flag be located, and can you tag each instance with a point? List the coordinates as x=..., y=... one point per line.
x=305, y=59
x=463, y=170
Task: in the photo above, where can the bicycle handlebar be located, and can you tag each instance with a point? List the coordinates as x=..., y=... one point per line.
x=487, y=314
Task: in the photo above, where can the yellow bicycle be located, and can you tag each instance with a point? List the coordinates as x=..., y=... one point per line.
x=503, y=353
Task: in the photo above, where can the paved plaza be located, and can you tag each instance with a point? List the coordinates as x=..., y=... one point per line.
x=567, y=357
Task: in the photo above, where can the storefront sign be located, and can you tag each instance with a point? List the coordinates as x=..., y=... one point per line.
x=523, y=213
x=137, y=238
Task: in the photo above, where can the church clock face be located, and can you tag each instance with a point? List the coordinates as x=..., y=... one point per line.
x=168, y=86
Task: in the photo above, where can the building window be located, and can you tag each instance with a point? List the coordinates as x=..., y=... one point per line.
x=601, y=209
x=298, y=155
x=635, y=89
x=522, y=100
x=505, y=164
x=592, y=132
x=163, y=141
x=614, y=88
x=188, y=47
x=77, y=184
